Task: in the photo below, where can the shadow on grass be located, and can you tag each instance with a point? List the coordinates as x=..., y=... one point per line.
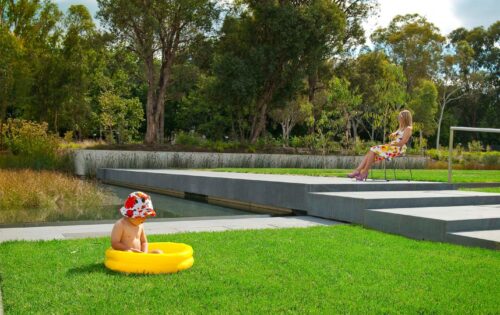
x=99, y=268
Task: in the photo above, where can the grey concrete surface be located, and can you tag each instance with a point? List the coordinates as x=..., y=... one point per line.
x=439, y=205
x=433, y=223
x=349, y=206
x=287, y=191
x=487, y=239
x=162, y=227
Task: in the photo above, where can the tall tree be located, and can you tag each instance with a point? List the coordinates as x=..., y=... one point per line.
x=479, y=74
x=450, y=83
x=296, y=111
x=347, y=102
x=32, y=27
x=269, y=43
x=382, y=86
x=355, y=13
x=424, y=106
x=80, y=51
x=413, y=43
x=157, y=30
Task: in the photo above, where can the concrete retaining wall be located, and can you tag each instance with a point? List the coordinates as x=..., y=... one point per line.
x=88, y=161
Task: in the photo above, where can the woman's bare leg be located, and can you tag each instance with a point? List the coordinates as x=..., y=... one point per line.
x=370, y=159
x=363, y=163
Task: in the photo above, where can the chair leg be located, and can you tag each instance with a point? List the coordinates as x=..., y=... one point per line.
x=404, y=163
x=411, y=175
x=394, y=169
x=385, y=170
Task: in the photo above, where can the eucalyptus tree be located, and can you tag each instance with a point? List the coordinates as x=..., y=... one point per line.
x=343, y=44
x=450, y=81
x=30, y=36
x=424, y=106
x=262, y=52
x=347, y=102
x=413, y=43
x=157, y=31
x=382, y=86
x=479, y=49
x=80, y=53
x=294, y=112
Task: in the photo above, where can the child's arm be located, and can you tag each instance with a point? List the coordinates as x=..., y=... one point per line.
x=116, y=236
x=144, y=242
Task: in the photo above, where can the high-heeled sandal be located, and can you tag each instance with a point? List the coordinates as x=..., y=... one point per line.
x=362, y=177
x=353, y=174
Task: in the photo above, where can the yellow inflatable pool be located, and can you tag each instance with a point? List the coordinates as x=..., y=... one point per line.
x=175, y=257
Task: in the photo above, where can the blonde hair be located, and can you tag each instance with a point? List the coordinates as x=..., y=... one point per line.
x=407, y=120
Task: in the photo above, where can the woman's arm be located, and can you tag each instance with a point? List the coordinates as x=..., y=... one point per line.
x=406, y=137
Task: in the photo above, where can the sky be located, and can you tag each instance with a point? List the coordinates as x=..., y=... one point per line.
x=447, y=15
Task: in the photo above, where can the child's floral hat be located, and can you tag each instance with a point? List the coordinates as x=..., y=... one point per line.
x=138, y=205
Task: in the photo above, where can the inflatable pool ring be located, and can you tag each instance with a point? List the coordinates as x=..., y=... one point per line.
x=175, y=257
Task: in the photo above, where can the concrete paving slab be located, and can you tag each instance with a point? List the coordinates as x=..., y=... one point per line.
x=370, y=195
x=432, y=223
x=449, y=213
x=486, y=239
x=349, y=206
x=163, y=227
x=492, y=235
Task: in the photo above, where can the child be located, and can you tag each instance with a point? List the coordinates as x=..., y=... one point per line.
x=128, y=232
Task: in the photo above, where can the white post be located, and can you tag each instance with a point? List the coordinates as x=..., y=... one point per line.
x=450, y=153
x=451, y=142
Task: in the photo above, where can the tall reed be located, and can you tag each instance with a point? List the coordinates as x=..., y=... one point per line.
x=38, y=196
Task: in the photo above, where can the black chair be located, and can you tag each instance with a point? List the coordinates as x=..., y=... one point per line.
x=392, y=163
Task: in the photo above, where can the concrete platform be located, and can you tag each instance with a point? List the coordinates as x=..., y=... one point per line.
x=163, y=227
x=349, y=206
x=433, y=223
x=487, y=239
x=284, y=191
x=421, y=210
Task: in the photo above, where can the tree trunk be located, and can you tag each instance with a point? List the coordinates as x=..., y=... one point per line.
x=439, y=125
x=262, y=116
x=151, y=127
x=421, y=140
x=261, y=124
x=354, y=129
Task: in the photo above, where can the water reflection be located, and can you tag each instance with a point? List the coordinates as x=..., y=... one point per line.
x=171, y=207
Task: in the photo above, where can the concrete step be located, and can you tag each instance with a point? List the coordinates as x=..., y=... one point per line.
x=487, y=239
x=284, y=191
x=349, y=206
x=433, y=223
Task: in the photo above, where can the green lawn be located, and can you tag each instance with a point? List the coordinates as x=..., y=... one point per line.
x=326, y=270
x=485, y=189
x=432, y=175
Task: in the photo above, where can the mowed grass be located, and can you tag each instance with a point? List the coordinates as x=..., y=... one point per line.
x=431, y=175
x=485, y=189
x=323, y=270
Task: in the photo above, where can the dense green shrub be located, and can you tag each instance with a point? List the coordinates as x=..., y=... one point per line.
x=189, y=138
x=489, y=159
x=475, y=146
x=31, y=145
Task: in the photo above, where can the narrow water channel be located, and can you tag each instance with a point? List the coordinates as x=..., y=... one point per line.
x=171, y=207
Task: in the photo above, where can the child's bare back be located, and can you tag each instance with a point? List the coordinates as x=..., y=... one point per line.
x=128, y=232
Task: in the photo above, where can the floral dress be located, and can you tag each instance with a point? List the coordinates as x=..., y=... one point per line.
x=387, y=152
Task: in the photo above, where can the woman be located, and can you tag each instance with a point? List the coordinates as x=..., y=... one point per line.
x=386, y=151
